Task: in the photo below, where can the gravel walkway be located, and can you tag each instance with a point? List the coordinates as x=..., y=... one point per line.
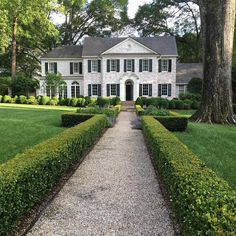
x=113, y=192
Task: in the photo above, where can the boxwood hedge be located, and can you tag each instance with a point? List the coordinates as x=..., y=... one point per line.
x=72, y=119
x=25, y=179
x=204, y=203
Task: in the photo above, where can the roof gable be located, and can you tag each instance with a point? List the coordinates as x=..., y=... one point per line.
x=130, y=46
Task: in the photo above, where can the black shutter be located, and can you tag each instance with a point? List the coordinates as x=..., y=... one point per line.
x=133, y=65
x=170, y=66
x=46, y=67
x=118, y=90
x=140, y=65
x=89, y=66
x=55, y=67
x=140, y=90
x=108, y=65
x=90, y=90
x=150, y=90
x=125, y=63
x=118, y=66
x=108, y=90
x=81, y=68
x=169, y=90
x=159, y=66
x=159, y=90
x=71, y=68
x=99, y=90
x=99, y=66
x=150, y=65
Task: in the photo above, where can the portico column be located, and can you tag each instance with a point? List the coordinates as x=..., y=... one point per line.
x=122, y=90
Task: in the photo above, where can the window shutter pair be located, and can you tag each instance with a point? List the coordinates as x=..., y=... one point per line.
x=90, y=90
x=168, y=91
x=133, y=65
x=169, y=65
x=90, y=66
x=46, y=67
x=117, y=90
x=109, y=65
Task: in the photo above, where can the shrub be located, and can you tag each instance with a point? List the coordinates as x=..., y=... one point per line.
x=103, y=101
x=190, y=96
x=139, y=110
x=73, y=102
x=153, y=111
x=0, y=98
x=111, y=112
x=21, y=99
x=67, y=101
x=7, y=99
x=81, y=102
x=14, y=99
x=195, y=105
x=44, y=100
x=204, y=204
x=163, y=104
x=195, y=85
x=72, y=119
x=187, y=106
x=179, y=104
x=139, y=102
x=115, y=101
x=173, y=123
x=26, y=179
x=32, y=100
x=61, y=101
x=172, y=104
x=151, y=102
x=56, y=100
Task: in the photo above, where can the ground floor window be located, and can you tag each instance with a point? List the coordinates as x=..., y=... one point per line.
x=50, y=91
x=164, y=90
x=182, y=89
x=75, y=90
x=113, y=90
x=145, y=90
x=94, y=89
x=63, y=91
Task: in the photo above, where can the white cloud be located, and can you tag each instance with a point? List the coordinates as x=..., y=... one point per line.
x=134, y=5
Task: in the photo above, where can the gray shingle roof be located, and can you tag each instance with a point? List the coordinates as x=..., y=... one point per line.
x=165, y=45
x=186, y=71
x=74, y=51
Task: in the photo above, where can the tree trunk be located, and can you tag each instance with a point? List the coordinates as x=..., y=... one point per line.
x=218, y=30
x=13, y=59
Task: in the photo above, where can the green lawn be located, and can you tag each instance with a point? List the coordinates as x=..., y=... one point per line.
x=215, y=145
x=185, y=112
x=22, y=128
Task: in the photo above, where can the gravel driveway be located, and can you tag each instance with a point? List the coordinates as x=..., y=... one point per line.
x=113, y=192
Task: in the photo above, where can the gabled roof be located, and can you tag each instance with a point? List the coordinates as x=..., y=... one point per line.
x=186, y=71
x=165, y=45
x=72, y=51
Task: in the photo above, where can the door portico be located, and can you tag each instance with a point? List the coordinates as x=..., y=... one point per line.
x=129, y=87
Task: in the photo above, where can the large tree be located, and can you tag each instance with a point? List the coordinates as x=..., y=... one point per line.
x=95, y=18
x=21, y=14
x=218, y=19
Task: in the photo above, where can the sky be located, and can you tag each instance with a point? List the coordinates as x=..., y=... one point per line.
x=133, y=6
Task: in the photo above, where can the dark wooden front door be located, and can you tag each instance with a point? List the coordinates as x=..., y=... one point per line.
x=129, y=92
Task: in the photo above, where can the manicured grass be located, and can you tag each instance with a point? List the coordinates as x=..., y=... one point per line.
x=22, y=128
x=215, y=145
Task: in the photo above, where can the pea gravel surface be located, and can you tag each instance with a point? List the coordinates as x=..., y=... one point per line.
x=113, y=192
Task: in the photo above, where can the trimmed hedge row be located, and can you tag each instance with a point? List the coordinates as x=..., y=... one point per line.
x=173, y=123
x=139, y=110
x=72, y=119
x=110, y=112
x=26, y=179
x=203, y=202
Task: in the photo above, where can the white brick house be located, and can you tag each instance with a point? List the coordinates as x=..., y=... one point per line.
x=124, y=67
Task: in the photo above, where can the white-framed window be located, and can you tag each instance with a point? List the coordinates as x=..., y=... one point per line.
x=94, y=65
x=113, y=90
x=113, y=65
x=145, y=65
x=129, y=65
x=51, y=67
x=50, y=91
x=164, y=65
x=94, y=90
x=76, y=67
x=75, y=90
x=164, y=89
x=63, y=91
x=145, y=90
x=182, y=89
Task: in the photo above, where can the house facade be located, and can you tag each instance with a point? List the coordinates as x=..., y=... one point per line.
x=124, y=67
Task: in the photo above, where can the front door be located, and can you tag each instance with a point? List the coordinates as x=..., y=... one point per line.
x=129, y=92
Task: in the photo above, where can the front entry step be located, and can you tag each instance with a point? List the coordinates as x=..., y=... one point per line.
x=128, y=106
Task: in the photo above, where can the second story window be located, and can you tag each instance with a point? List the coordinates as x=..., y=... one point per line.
x=50, y=67
x=113, y=65
x=129, y=65
x=94, y=66
x=76, y=68
x=165, y=65
x=145, y=65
